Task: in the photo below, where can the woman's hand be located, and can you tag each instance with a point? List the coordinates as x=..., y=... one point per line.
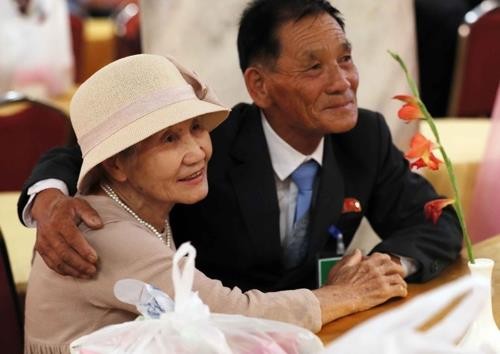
x=58, y=239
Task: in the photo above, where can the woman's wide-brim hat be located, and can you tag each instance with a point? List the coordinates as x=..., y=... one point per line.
x=131, y=99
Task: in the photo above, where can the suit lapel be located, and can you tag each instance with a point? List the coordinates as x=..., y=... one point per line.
x=253, y=179
x=328, y=204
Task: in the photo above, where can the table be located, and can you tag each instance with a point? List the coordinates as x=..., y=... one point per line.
x=464, y=140
x=19, y=239
x=489, y=248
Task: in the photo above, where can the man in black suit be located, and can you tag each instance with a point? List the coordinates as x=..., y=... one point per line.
x=299, y=72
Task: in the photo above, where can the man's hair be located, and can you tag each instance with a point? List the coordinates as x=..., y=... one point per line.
x=261, y=20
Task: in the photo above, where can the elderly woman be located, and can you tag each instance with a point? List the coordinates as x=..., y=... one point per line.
x=142, y=123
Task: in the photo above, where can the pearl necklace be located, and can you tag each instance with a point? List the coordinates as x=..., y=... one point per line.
x=165, y=237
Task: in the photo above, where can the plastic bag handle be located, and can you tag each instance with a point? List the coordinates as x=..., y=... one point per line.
x=183, y=281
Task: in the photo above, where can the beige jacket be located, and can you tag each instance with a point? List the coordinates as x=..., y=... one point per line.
x=60, y=309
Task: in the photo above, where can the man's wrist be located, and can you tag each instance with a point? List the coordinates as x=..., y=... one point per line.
x=34, y=190
x=410, y=266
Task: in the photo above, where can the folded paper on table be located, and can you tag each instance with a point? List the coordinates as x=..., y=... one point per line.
x=397, y=331
x=187, y=326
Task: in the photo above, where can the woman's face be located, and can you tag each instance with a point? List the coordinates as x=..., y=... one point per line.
x=170, y=166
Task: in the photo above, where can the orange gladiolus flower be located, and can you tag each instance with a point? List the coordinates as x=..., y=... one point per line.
x=421, y=155
x=410, y=110
x=434, y=208
x=421, y=150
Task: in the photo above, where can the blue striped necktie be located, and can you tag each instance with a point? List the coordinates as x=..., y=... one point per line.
x=295, y=243
x=303, y=177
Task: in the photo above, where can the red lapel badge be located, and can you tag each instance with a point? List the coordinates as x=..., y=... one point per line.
x=351, y=205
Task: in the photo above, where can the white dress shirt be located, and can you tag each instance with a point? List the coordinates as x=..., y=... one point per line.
x=285, y=159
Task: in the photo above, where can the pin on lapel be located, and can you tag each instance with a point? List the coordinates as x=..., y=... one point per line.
x=336, y=234
x=351, y=205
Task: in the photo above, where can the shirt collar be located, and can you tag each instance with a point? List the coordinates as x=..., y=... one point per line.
x=284, y=158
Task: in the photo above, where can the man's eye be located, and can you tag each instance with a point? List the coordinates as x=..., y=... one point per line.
x=346, y=59
x=315, y=67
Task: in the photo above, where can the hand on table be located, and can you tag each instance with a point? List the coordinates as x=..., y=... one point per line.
x=358, y=283
x=58, y=239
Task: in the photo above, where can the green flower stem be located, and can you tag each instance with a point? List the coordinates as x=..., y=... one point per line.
x=449, y=166
x=451, y=173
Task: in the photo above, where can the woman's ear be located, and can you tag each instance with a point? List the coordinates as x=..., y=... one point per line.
x=256, y=81
x=114, y=168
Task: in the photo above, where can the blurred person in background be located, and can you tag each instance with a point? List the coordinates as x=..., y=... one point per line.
x=35, y=38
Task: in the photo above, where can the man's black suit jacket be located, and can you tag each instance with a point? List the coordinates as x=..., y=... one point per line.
x=236, y=228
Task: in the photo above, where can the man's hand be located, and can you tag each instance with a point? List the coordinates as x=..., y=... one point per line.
x=58, y=240
x=358, y=283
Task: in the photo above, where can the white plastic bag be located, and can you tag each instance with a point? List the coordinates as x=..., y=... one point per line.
x=36, y=56
x=395, y=332
x=190, y=327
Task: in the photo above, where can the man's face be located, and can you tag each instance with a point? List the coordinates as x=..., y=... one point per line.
x=312, y=85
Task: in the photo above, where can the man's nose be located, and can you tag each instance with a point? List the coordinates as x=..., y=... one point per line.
x=338, y=79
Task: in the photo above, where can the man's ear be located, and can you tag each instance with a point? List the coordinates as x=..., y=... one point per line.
x=114, y=168
x=256, y=80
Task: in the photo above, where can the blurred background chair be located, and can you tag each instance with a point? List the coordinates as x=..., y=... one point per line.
x=477, y=68
x=28, y=128
x=11, y=320
x=127, y=31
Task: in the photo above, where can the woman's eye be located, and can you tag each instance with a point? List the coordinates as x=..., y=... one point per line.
x=197, y=127
x=169, y=138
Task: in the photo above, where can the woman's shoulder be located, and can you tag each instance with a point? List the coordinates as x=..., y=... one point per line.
x=117, y=222
x=108, y=210
x=121, y=232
